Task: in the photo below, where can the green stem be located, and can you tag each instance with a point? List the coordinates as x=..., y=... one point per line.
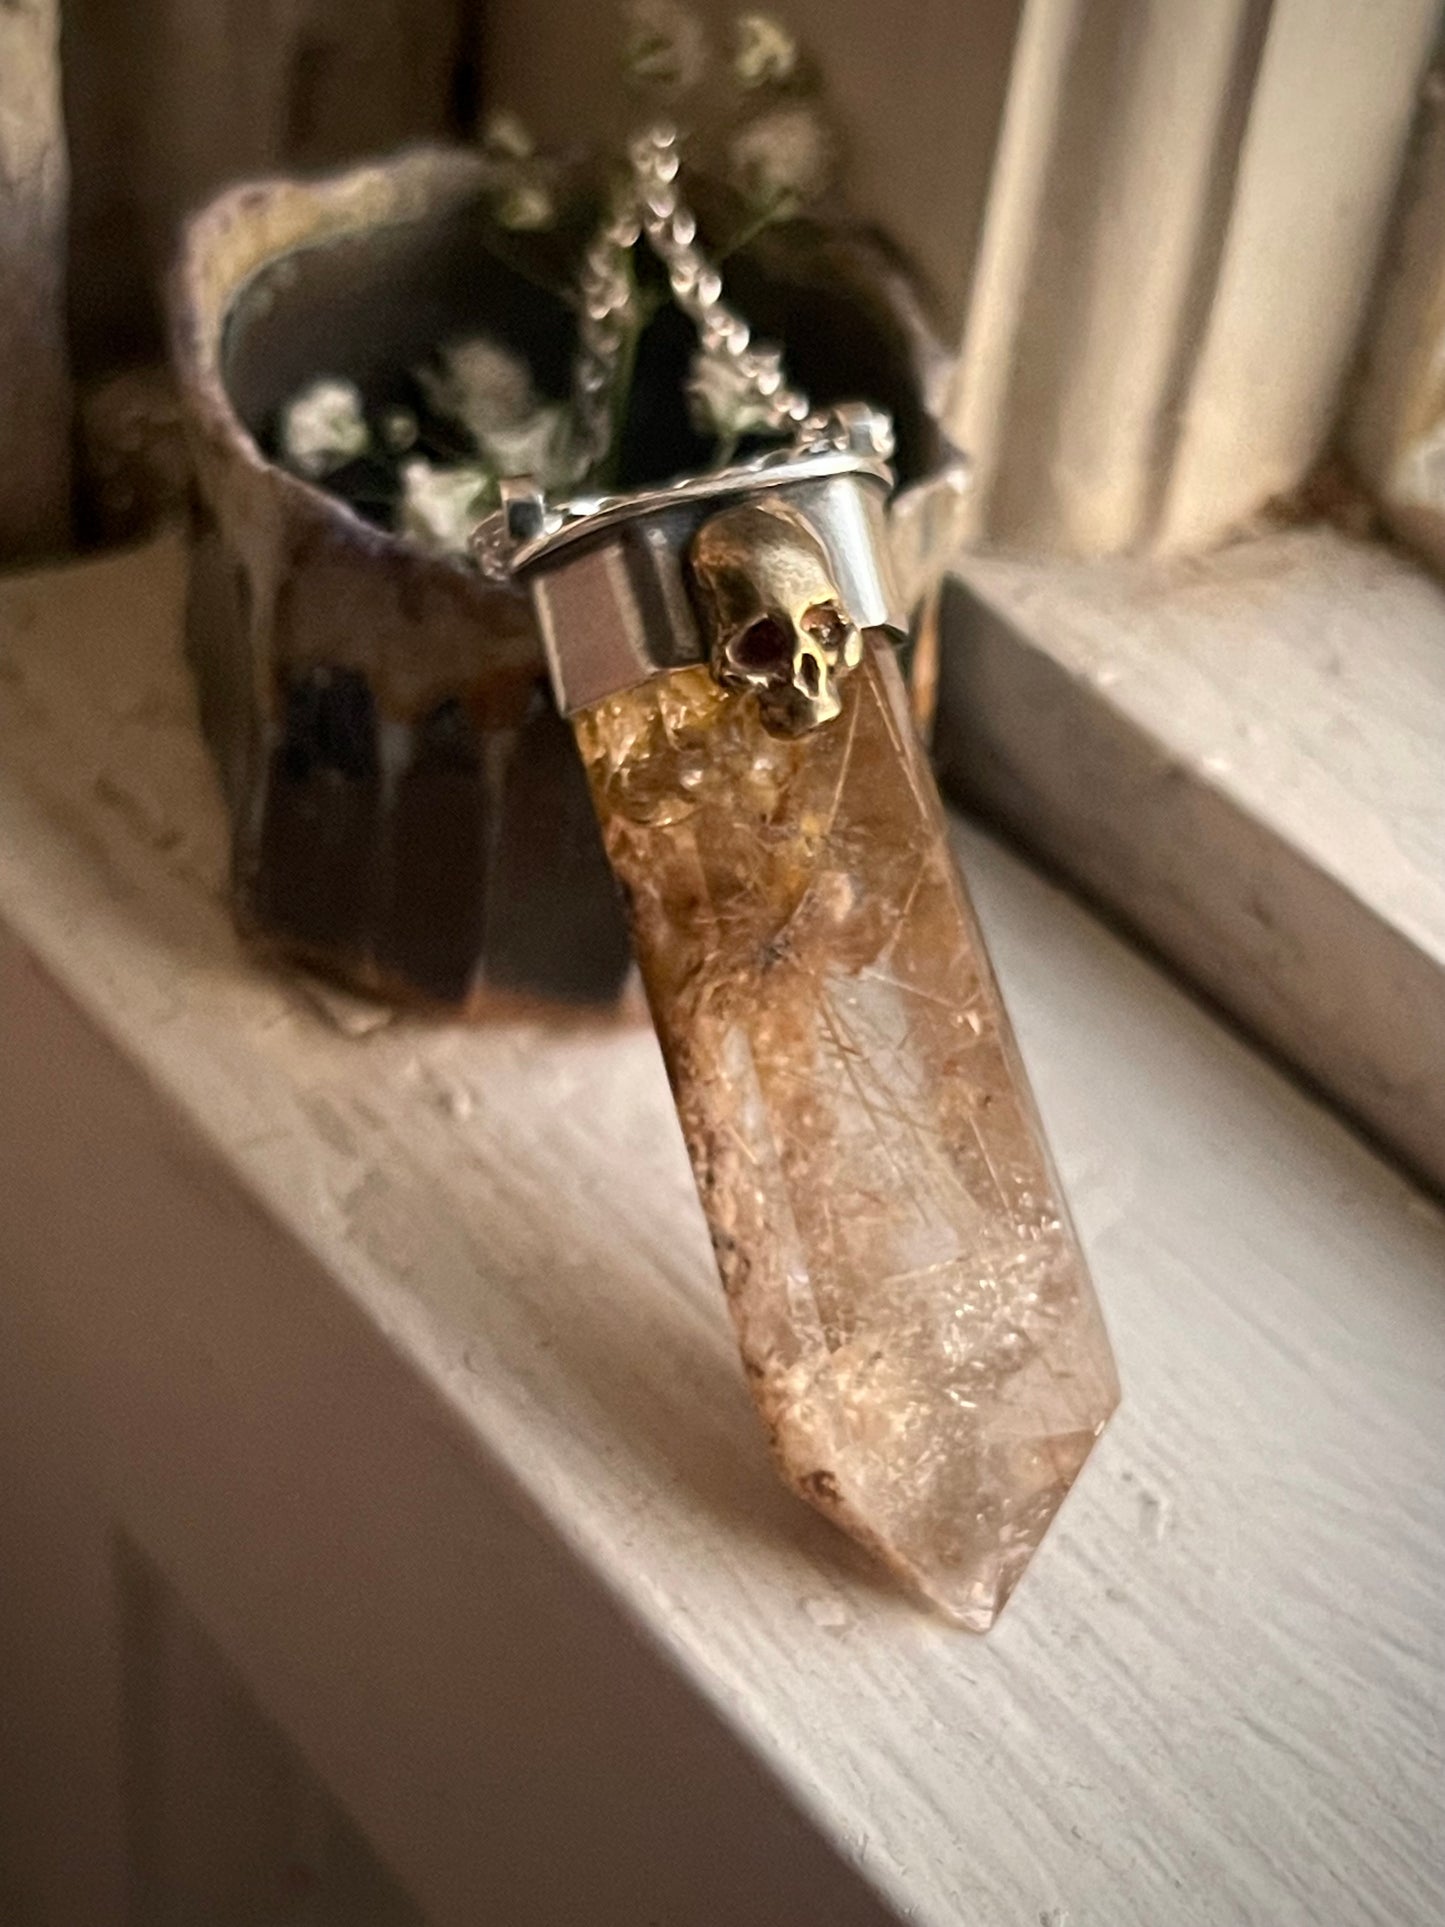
x=779, y=210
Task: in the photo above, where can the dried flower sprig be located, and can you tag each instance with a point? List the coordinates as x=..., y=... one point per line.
x=664, y=48
x=324, y=427
x=766, y=53
x=762, y=147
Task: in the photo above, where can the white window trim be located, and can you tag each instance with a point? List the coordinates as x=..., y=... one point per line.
x=1184, y=222
x=1243, y=755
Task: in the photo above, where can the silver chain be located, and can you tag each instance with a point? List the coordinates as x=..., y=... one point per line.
x=608, y=290
x=649, y=203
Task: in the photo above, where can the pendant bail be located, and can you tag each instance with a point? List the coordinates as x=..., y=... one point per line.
x=612, y=580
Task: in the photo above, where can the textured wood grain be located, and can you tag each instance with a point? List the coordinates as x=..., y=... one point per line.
x=34, y=374
x=406, y=1358
x=1241, y=753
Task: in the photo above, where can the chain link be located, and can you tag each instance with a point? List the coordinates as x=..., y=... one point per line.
x=649, y=203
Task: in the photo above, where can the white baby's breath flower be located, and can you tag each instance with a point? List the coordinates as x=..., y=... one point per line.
x=323, y=428
x=440, y=506
x=782, y=156
x=663, y=46
x=398, y=430
x=505, y=137
x=766, y=52
x=526, y=205
x=539, y=445
x=723, y=400
x=481, y=385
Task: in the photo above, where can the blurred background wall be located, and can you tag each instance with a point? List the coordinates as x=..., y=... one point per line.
x=167, y=100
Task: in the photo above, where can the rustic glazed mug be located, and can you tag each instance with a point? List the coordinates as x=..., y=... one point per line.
x=409, y=815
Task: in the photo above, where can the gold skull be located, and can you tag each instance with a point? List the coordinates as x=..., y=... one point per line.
x=776, y=618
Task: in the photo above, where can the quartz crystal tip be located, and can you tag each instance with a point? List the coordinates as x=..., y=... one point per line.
x=915, y=1316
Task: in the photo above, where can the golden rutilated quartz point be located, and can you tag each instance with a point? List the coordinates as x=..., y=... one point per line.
x=914, y=1311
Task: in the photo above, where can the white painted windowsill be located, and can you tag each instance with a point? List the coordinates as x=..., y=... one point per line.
x=403, y=1357
x=1242, y=754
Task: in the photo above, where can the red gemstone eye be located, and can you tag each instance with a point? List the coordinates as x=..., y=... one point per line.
x=766, y=645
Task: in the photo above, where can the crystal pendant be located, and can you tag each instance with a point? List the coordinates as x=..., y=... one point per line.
x=913, y=1309
x=915, y=1317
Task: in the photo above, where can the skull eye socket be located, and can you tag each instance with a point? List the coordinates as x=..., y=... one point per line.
x=765, y=645
x=827, y=624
